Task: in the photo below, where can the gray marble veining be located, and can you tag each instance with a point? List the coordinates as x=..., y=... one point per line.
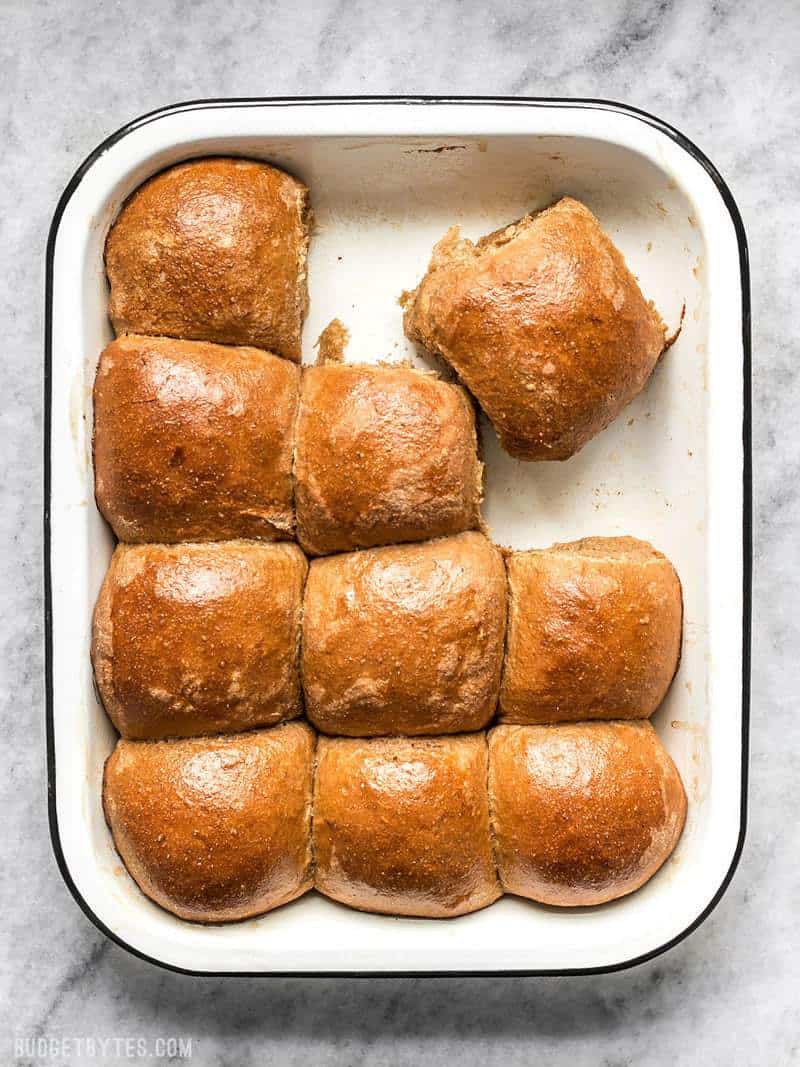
x=727, y=74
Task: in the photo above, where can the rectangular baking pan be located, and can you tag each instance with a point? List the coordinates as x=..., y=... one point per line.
x=388, y=177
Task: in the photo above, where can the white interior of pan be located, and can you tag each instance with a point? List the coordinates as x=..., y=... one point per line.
x=386, y=182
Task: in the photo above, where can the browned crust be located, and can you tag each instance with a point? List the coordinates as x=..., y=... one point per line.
x=406, y=639
x=213, y=250
x=193, y=441
x=384, y=454
x=582, y=813
x=401, y=825
x=199, y=638
x=215, y=829
x=594, y=631
x=543, y=323
x=332, y=342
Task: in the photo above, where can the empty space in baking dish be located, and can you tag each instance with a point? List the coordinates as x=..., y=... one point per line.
x=668, y=470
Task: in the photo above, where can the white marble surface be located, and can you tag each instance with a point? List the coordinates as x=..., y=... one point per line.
x=728, y=74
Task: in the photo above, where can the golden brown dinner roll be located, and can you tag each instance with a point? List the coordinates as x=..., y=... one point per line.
x=384, y=453
x=214, y=250
x=401, y=825
x=195, y=639
x=215, y=828
x=193, y=442
x=583, y=812
x=543, y=323
x=594, y=631
x=406, y=639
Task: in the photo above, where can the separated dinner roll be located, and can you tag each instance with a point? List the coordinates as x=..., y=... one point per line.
x=543, y=323
x=214, y=250
x=406, y=639
x=401, y=825
x=594, y=631
x=215, y=829
x=193, y=441
x=195, y=639
x=582, y=813
x=384, y=453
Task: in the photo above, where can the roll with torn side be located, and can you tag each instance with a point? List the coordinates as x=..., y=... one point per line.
x=405, y=639
x=194, y=441
x=213, y=250
x=385, y=453
x=582, y=813
x=199, y=638
x=401, y=825
x=215, y=829
x=594, y=631
x=544, y=324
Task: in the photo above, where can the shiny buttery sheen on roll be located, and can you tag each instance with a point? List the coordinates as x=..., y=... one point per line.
x=213, y=250
x=594, y=631
x=384, y=454
x=406, y=639
x=215, y=829
x=199, y=638
x=193, y=441
x=401, y=825
x=582, y=813
x=544, y=324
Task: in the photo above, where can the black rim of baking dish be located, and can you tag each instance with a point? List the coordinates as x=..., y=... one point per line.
x=499, y=101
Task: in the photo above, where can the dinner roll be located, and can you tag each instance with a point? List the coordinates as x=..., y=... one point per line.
x=195, y=639
x=583, y=812
x=384, y=453
x=213, y=250
x=401, y=825
x=594, y=631
x=193, y=442
x=214, y=829
x=406, y=639
x=543, y=323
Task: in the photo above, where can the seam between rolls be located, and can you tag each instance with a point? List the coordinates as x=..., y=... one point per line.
x=492, y=837
x=504, y=553
x=301, y=689
x=312, y=852
x=293, y=466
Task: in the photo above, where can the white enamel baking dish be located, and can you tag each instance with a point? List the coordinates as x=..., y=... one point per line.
x=388, y=177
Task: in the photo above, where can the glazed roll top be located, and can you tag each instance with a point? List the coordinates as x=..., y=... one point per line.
x=199, y=638
x=582, y=813
x=594, y=631
x=193, y=441
x=384, y=454
x=215, y=829
x=401, y=825
x=406, y=639
x=544, y=324
x=213, y=250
